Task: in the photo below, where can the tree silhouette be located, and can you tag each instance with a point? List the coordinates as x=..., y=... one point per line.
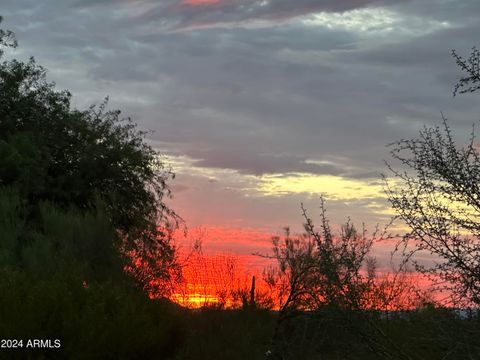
x=436, y=192
x=53, y=152
x=318, y=269
x=471, y=66
x=325, y=284
x=439, y=199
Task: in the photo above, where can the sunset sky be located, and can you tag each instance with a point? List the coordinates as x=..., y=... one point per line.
x=259, y=106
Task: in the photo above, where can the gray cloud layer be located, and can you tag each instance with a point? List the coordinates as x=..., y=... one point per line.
x=261, y=97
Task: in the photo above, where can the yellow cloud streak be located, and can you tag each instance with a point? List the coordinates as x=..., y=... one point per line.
x=334, y=186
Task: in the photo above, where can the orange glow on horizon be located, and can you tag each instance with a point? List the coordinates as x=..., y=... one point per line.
x=216, y=280
x=224, y=281
x=214, y=276
x=213, y=281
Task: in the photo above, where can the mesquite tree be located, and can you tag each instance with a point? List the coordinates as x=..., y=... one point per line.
x=435, y=190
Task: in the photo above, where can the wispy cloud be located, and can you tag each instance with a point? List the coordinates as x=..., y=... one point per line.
x=188, y=14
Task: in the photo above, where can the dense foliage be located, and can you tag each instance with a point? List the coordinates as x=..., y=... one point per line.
x=62, y=280
x=53, y=152
x=81, y=201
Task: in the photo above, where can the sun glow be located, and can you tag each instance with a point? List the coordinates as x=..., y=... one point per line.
x=196, y=300
x=210, y=281
x=221, y=280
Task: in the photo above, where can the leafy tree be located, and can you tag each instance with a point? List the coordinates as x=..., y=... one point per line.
x=7, y=38
x=81, y=200
x=65, y=282
x=53, y=152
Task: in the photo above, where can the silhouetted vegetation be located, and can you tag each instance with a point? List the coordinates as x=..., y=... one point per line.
x=440, y=202
x=437, y=195
x=470, y=82
x=81, y=201
x=53, y=152
x=331, y=298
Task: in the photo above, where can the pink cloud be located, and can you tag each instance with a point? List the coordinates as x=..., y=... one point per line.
x=200, y=2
